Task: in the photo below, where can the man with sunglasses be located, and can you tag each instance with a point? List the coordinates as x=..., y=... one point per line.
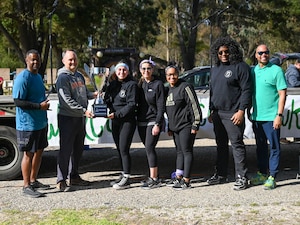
x=269, y=95
x=230, y=96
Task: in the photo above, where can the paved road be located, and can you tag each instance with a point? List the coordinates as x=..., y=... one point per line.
x=219, y=204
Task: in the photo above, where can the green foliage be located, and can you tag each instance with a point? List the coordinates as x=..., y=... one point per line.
x=147, y=24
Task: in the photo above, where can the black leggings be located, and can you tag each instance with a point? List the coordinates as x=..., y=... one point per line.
x=184, y=142
x=122, y=134
x=150, y=142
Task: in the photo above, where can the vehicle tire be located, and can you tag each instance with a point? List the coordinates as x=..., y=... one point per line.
x=10, y=156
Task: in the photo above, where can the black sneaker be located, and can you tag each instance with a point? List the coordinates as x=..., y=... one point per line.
x=151, y=183
x=173, y=182
x=216, y=179
x=122, y=184
x=241, y=183
x=31, y=192
x=63, y=187
x=182, y=185
x=38, y=185
x=79, y=182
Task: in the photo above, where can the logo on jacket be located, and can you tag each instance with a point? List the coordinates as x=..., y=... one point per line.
x=122, y=93
x=170, y=100
x=228, y=73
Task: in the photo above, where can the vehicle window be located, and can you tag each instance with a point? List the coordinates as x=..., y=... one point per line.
x=201, y=79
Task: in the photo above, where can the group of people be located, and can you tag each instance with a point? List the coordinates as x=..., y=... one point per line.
x=234, y=89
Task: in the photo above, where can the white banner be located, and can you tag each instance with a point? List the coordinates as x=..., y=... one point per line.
x=99, y=129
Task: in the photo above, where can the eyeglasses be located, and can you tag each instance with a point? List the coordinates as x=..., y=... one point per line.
x=265, y=52
x=172, y=74
x=226, y=52
x=148, y=68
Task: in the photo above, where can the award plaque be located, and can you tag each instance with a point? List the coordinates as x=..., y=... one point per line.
x=99, y=77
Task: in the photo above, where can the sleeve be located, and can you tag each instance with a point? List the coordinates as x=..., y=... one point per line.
x=192, y=101
x=160, y=103
x=244, y=74
x=26, y=104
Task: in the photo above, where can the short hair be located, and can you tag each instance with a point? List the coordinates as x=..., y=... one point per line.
x=32, y=51
x=68, y=50
x=298, y=60
x=174, y=67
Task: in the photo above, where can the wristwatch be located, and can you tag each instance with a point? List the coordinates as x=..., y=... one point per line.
x=279, y=114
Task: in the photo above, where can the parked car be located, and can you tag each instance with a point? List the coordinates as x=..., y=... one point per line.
x=198, y=77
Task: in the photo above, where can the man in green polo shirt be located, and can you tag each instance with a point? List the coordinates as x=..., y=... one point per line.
x=269, y=95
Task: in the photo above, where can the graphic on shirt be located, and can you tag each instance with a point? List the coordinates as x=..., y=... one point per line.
x=170, y=100
x=228, y=73
x=122, y=93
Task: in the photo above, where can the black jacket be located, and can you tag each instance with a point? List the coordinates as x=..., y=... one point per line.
x=121, y=98
x=182, y=107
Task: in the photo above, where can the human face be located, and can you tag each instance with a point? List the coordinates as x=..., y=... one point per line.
x=146, y=71
x=33, y=62
x=172, y=76
x=223, y=54
x=122, y=73
x=70, y=61
x=262, y=55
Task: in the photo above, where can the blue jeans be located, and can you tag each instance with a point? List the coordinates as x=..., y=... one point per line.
x=264, y=131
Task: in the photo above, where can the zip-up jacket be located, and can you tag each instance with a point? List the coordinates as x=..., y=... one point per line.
x=182, y=107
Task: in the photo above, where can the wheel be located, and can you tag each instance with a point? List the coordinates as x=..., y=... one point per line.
x=10, y=156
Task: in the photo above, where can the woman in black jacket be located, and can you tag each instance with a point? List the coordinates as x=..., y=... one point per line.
x=151, y=108
x=121, y=99
x=184, y=117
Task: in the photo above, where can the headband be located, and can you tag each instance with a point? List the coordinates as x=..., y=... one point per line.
x=122, y=64
x=150, y=61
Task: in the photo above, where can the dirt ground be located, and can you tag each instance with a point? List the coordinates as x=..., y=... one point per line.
x=202, y=204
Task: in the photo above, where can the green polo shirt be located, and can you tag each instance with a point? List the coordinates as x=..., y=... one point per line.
x=267, y=81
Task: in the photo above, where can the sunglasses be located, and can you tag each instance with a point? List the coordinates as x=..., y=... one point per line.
x=225, y=52
x=265, y=52
x=148, y=68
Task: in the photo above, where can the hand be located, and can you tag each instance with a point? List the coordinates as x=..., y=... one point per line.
x=210, y=120
x=194, y=131
x=155, y=130
x=277, y=122
x=170, y=133
x=89, y=114
x=238, y=117
x=45, y=105
x=111, y=116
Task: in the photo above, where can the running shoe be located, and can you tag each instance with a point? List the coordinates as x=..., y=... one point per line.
x=216, y=179
x=258, y=179
x=270, y=183
x=150, y=183
x=38, y=185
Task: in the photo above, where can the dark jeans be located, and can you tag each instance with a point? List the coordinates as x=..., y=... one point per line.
x=184, y=142
x=122, y=134
x=72, y=133
x=225, y=130
x=264, y=131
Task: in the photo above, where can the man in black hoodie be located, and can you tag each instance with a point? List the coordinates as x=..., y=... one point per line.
x=230, y=96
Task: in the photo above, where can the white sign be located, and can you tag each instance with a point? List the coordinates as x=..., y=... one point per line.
x=99, y=129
